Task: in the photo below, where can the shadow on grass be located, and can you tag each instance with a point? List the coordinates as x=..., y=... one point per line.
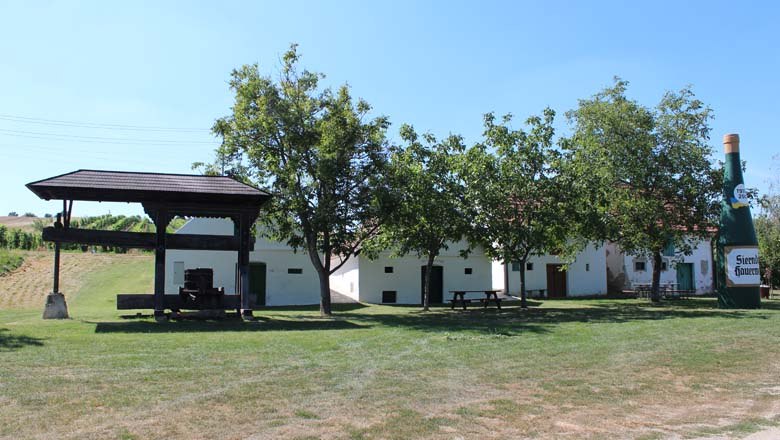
x=11, y=342
x=230, y=324
x=511, y=320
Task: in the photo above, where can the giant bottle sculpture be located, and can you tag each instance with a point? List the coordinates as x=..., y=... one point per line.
x=737, y=254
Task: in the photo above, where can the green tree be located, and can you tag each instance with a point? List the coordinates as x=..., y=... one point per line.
x=427, y=206
x=646, y=173
x=767, y=225
x=318, y=151
x=517, y=193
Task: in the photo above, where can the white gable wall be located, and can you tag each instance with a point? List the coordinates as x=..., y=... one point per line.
x=365, y=280
x=282, y=288
x=346, y=280
x=587, y=275
x=702, y=268
x=406, y=279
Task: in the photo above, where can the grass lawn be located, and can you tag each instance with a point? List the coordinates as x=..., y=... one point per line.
x=563, y=369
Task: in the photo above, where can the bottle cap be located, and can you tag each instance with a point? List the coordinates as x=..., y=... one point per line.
x=731, y=143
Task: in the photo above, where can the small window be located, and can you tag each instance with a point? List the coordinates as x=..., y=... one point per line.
x=515, y=266
x=669, y=250
x=529, y=266
x=388, y=297
x=467, y=271
x=639, y=266
x=388, y=269
x=664, y=266
x=587, y=267
x=178, y=273
x=294, y=270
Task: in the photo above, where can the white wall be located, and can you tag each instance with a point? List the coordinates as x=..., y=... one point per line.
x=406, y=278
x=587, y=275
x=346, y=280
x=364, y=280
x=282, y=288
x=702, y=268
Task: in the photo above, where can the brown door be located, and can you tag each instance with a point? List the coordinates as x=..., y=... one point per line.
x=556, y=281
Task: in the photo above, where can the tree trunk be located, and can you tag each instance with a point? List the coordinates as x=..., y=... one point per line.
x=325, y=309
x=523, y=300
x=323, y=272
x=655, y=290
x=427, y=289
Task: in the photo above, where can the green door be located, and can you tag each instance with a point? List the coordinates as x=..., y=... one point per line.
x=437, y=285
x=685, y=276
x=257, y=284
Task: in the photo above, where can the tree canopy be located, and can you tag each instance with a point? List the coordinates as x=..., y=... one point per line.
x=647, y=172
x=516, y=192
x=319, y=152
x=427, y=210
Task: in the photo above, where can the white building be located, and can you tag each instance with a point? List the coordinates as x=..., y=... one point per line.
x=683, y=272
x=277, y=274
x=399, y=280
x=586, y=276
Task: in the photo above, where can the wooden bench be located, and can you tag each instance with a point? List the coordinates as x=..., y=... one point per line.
x=459, y=296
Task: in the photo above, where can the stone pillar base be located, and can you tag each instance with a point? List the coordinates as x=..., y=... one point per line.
x=56, y=307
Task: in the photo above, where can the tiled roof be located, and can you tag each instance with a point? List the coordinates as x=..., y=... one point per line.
x=132, y=186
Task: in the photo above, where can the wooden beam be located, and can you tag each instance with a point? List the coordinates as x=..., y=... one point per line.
x=244, y=225
x=161, y=221
x=140, y=240
x=175, y=302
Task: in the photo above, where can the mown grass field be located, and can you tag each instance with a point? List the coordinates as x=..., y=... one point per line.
x=563, y=369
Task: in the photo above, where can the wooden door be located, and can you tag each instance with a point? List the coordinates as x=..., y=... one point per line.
x=437, y=285
x=556, y=281
x=257, y=281
x=685, y=276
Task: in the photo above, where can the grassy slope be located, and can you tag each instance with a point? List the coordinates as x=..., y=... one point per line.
x=592, y=369
x=9, y=260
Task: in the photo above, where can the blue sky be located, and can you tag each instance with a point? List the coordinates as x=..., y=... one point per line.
x=438, y=65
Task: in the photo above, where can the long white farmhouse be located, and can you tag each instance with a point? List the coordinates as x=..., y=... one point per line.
x=681, y=272
x=399, y=280
x=547, y=275
x=277, y=275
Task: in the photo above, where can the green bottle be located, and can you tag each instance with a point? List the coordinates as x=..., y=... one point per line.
x=737, y=255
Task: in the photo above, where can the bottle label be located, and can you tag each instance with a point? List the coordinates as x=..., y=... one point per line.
x=742, y=266
x=740, y=198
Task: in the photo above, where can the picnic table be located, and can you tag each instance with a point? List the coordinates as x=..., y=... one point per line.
x=667, y=290
x=459, y=296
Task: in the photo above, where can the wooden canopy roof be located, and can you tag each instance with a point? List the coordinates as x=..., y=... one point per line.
x=122, y=186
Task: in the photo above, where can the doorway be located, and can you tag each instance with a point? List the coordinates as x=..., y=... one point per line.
x=556, y=281
x=257, y=281
x=437, y=285
x=685, y=276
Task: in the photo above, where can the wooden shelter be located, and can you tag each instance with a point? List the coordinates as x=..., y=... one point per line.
x=163, y=196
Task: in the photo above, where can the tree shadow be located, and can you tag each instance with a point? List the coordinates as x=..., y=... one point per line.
x=11, y=342
x=513, y=321
x=229, y=324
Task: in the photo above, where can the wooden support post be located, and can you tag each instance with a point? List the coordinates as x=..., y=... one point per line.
x=56, y=307
x=56, y=286
x=244, y=225
x=161, y=220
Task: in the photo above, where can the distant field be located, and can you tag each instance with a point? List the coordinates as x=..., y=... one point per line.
x=23, y=223
x=594, y=369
